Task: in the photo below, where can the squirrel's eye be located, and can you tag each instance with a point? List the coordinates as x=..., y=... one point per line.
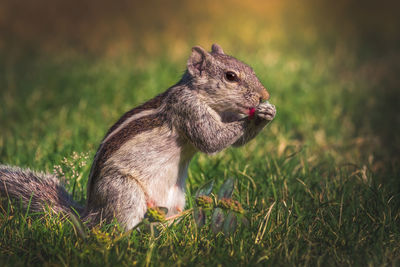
x=231, y=76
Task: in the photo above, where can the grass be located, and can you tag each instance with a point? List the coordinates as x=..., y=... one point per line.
x=327, y=205
x=320, y=184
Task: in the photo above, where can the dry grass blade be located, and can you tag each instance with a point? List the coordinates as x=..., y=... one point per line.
x=263, y=225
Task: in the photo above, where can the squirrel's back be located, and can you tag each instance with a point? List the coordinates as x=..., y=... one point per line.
x=35, y=189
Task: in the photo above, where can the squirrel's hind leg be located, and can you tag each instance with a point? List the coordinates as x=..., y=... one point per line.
x=118, y=197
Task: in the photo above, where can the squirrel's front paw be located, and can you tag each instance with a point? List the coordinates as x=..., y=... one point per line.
x=265, y=111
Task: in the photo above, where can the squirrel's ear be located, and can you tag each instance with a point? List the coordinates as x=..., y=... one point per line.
x=215, y=48
x=197, y=61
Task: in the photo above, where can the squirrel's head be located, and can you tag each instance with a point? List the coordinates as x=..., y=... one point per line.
x=223, y=82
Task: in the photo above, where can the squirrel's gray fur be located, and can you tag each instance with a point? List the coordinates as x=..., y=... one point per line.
x=143, y=159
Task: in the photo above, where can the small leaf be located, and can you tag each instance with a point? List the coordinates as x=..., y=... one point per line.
x=199, y=217
x=217, y=220
x=205, y=189
x=245, y=221
x=226, y=189
x=230, y=223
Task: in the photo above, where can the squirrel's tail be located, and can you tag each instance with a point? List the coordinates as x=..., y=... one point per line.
x=36, y=190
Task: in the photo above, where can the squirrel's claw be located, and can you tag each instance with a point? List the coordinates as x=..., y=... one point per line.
x=266, y=111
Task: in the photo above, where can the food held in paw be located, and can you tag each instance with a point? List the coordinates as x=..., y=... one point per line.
x=252, y=111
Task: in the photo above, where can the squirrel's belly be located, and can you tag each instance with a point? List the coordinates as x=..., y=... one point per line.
x=168, y=185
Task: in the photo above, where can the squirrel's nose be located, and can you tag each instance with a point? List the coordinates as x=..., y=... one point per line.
x=264, y=94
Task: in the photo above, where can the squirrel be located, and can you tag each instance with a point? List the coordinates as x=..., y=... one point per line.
x=143, y=159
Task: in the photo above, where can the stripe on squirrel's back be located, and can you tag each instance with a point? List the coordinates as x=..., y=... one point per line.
x=117, y=140
x=151, y=104
x=136, y=116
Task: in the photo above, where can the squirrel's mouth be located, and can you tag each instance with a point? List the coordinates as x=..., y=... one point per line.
x=239, y=112
x=246, y=110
